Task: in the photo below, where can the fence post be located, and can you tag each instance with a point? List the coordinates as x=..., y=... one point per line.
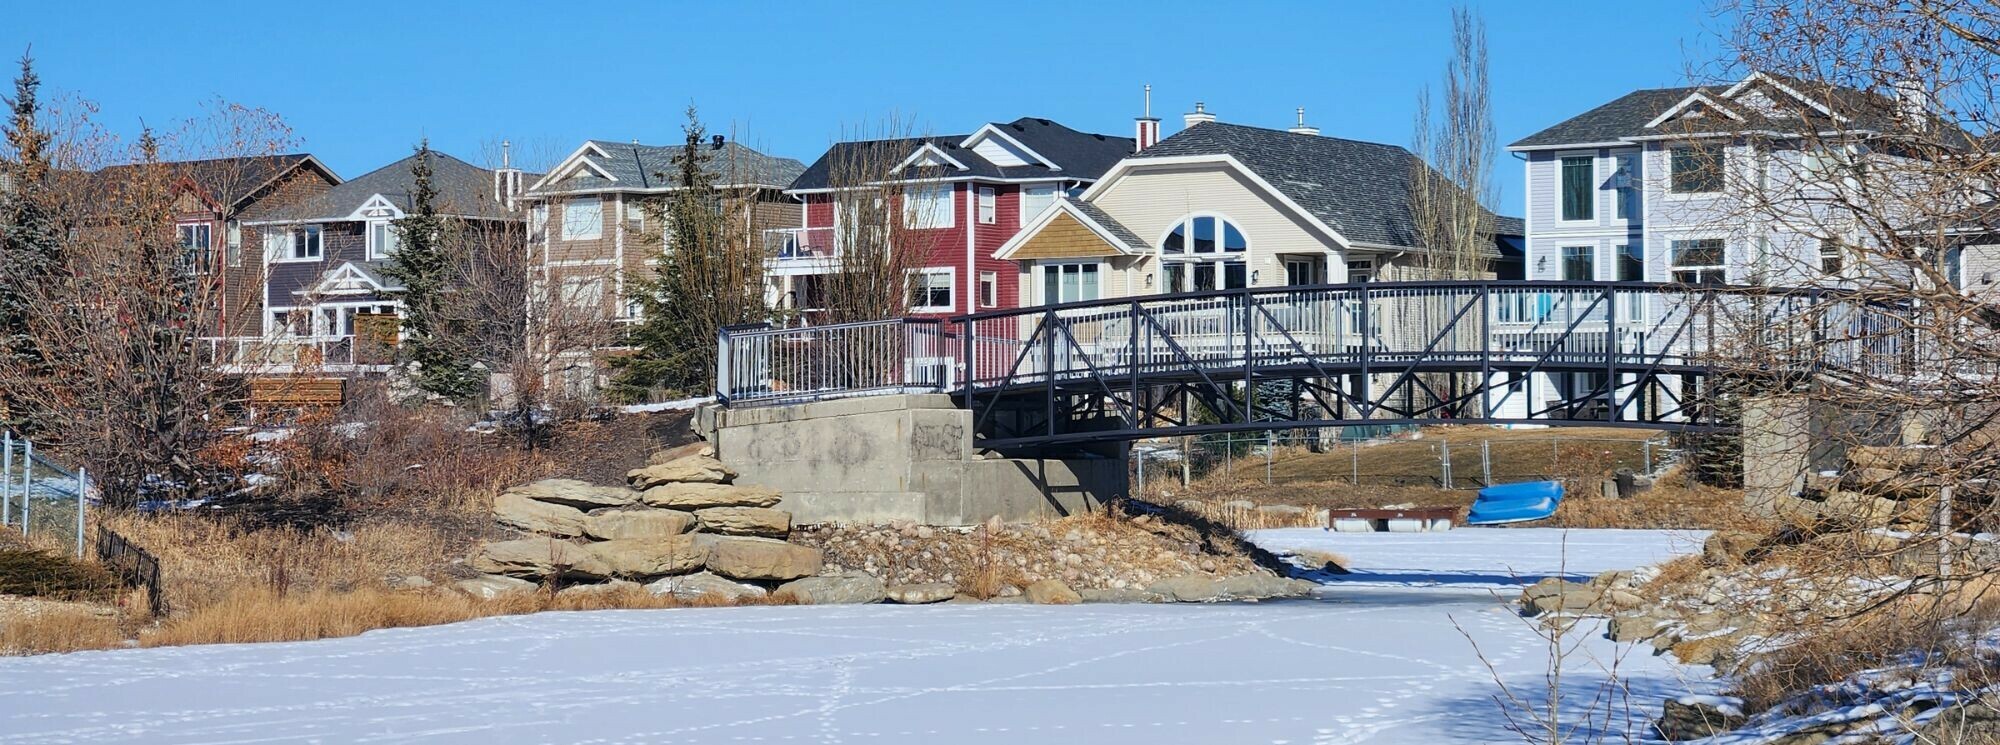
x=1354, y=451
x=1944, y=532
x=1485, y=462
x=82, y=489
x=1646, y=453
x=27, y=480
x=1444, y=462
x=1270, y=444
x=1141, y=491
x=1187, y=459
x=7, y=479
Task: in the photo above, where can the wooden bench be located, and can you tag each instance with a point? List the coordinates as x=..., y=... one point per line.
x=1412, y=520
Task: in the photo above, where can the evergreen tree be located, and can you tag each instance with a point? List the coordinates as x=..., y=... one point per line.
x=29, y=246
x=426, y=266
x=708, y=277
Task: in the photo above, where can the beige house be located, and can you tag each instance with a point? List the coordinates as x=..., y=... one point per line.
x=1224, y=206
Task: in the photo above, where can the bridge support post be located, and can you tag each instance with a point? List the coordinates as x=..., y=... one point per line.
x=1782, y=442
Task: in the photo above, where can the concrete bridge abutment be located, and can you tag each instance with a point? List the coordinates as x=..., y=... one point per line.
x=905, y=457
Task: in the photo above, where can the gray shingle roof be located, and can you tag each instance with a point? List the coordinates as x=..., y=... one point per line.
x=1628, y=115
x=463, y=189
x=1080, y=155
x=1117, y=228
x=1625, y=116
x=1361, y=189
x=645, y=167
x=230, y=181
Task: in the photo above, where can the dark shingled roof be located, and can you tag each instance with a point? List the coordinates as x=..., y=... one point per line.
x=645, y=167
x=1117, y=228
x=1628, y=115
x=1625, y=116
x=1081, y=155
x=463, y=189
x=1361, y=189
x=228, y=181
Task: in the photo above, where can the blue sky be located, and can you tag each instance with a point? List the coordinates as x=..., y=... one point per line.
x=360, y=83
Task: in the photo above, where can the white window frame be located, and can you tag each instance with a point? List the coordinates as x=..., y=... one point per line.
x=1626, y=196
x=1026, y=189
x=205, y=231
x=233, y=246
x=1042, y=270
x=935, y=198
x=375, y=248
x=635, y=214
x=574, y=291
x=1562, y=262
x=1188, y=259
x=1722, y=167
x=303, y=243
x=575, y=230
x=1675, y=267
x=989, y=205
x=1592, y=183
x=538, y=222
x=930, y=277
x=989, y=289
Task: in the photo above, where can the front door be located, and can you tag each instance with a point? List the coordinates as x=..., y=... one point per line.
x=1304, y=270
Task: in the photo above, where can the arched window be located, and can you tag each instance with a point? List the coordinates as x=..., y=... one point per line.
x=1203, y=252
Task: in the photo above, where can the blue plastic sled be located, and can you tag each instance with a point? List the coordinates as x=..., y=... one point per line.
x=1515, y=503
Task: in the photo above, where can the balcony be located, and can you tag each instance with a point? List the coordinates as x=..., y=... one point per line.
x=285, y=355
x=801, y=250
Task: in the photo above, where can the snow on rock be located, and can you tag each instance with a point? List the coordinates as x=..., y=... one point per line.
x=677, y=405
x=1394, y=669
x=1483, y=558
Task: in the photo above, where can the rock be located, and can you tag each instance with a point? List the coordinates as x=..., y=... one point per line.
x=705, y=585
x=597, y=590
x=1729, y=547
x=521, y=513
x=1239, y=505
x=1192, y=505
x=535, y=558
x=1634, y=629
x=919, y=594
x=1864, y=510
x=699, y=496
x=1051, y=592
x=693, y=469
x=1712, y=650
x=1282, y=513
x=1973, y=722
x=1554, y=595
x=852, y=588
x=1884, y=482
x=678, y=452
x=651, y=557
x=1119, y=595
x=740, y=557
x=1195, y=588
x=745, y=521
x=624, y=524
x=490, y=586
x=406, y=582
x=1693, y=718
x=573, y=493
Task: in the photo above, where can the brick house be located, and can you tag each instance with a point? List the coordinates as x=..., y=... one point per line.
x=968, y=195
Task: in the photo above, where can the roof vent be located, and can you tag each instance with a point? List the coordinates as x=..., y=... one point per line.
x=1302, y=128
x=1199, y=115
x=715, y=143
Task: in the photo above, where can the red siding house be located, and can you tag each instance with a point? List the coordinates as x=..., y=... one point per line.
x=967, y=195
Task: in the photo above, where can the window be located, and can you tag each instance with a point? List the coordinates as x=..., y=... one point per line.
x=1204, y=253
x=195, y=246
x=233, y=245
x=1838, y=162
x=635, y=216
x=928, y=206
x=308, y=243
x=1698, y=261
x=989, y=289
x=583, y=219
x=1832, y=256
x=1360, y=270
x=538, y=223
x=382, y=239
x=1579, y=263
x=1579, y=188
x=1696, y=169
x=1626, y=182
x=1069, y=283
x=988, y=206
x=930, y=290
x=1301, y=271
x=1034, y=199
x=1631, y=263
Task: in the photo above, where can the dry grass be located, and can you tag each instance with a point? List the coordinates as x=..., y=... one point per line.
x=44, y=574
x=1672, y=504
x=1517, y=455
x=59, y=629
x=1837, y=649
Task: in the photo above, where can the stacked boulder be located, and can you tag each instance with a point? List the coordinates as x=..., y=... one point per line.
x=679, y=524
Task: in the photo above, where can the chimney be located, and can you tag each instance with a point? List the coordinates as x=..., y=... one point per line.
x=1301, y=128
x=507, y=178
x=1198, y=116
x=1148, y=125
x=715, y=143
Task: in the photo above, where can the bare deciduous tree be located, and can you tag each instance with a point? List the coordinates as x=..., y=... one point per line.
x=1452, y=181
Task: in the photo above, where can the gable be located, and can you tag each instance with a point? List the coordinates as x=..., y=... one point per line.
x=1063, y=238
x=1153, y=199
x=346, y=279
x=929, y=156
x=996, y=147
x=377, y=207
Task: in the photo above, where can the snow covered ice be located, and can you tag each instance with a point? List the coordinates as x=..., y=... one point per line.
x=1368, y=664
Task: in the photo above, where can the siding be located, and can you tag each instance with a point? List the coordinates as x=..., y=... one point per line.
x=1151, y=201
x=1064, y=237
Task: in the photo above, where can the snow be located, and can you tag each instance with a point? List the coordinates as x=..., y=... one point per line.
x=1483, y=558
x=677, y=405
x=1390, y=663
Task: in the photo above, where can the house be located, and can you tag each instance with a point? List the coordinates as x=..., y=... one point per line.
x=1735, y=184
x=213, y=198
x=328, y=305
x=587, y=219
x=1222, y=206
x=956, y=199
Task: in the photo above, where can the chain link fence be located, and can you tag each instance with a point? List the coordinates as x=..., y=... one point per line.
x=39, y=497
x=1379, y=456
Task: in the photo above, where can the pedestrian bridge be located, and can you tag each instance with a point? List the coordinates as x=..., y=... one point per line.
x=1624, y=354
